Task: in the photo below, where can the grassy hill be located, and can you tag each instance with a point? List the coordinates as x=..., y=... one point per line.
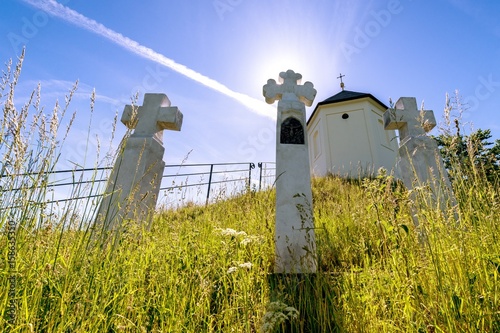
x=206, y=269
x=209, y=269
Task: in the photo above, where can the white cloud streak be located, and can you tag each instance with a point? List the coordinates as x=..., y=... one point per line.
x=58, y=88
x=69, y=15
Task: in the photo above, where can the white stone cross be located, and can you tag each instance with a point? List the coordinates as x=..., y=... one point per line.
x=289, y=89
x=419, y=161
x=406, y=118
x=134, y=184
x=152, y=117
x=295, y=242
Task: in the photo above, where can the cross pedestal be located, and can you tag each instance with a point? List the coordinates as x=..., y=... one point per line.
x=133, y=187
x=420, y=163
x=294, y=227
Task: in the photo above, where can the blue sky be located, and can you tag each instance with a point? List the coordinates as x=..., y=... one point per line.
x=212, y=58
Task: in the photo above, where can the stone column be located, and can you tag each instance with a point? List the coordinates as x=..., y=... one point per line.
x=133, y=187
x=419, y=161
x=294, y=228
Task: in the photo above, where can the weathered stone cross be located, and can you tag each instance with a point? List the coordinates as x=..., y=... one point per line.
x=295, y=263
x=289, y=89
x=134, y=184
x=295, y=244
x=419, y=160
x=406, y=118
x=152, y=117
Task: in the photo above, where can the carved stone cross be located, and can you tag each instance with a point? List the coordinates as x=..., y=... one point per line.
x=134, y=184
x=419, y=161
x=295, y=244
x=152, y=117
x=289, y=89
x=406, y=118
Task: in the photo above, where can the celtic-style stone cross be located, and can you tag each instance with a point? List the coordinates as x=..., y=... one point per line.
x=289, y=89
x=294, y=228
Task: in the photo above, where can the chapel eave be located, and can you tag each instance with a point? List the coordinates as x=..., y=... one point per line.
x=343, y=96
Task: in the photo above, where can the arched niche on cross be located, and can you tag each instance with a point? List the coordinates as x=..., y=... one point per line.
x=292, y=132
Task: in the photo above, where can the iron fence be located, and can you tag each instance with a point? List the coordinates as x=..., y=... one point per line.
x=77, y=181
x=216, y=174
x=89, y=183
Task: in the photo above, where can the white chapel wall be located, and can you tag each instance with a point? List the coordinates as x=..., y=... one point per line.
x=348, y=139
x=352, y=146
x=383, y=144
x=317, y=148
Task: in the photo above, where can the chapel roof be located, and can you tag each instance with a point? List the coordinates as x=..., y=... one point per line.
x=345, y=95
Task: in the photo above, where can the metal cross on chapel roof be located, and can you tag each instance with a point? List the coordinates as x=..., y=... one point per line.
x=341, y=83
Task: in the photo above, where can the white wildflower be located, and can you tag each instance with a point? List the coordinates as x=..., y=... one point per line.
x=246, y=265
x=232, y=270
x=278, y=313
x=246, y=240
x=231, y=232
x=252, y=239
x=292, y=313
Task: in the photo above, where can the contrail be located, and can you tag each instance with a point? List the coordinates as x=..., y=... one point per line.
x=69, y=15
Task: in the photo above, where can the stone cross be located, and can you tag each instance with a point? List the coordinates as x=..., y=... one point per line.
x=410, y=121
x=420, y=164
x=289, y=89
x=133, y=187
x=152, y=117
x=294, y=226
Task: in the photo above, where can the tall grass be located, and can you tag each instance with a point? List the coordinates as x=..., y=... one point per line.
x=207, y=269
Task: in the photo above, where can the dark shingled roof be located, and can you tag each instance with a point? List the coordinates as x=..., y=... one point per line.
x=345, y=95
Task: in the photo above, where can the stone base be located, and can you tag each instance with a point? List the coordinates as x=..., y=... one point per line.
x=420, y=164
x=295, y=242
x=134, y=184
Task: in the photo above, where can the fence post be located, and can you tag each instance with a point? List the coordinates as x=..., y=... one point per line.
x=250, y=167
x=260, y=175
x=209, y=182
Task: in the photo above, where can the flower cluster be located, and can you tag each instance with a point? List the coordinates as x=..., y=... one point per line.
x=230, y=232
x=277, y=313
x=245, y=265
x=252, y=239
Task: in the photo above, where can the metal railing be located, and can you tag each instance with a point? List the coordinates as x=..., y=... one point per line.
x=51, y=180
x=266, y=172
x=238, y=174
x=217, y=173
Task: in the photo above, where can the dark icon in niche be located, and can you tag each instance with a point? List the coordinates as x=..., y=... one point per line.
x=292, y=132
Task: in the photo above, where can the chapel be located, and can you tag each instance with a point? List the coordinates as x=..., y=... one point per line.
x=347, y=138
